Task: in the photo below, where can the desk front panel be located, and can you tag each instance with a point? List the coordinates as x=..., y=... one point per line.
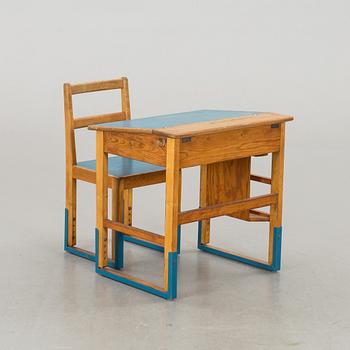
x=234, y=144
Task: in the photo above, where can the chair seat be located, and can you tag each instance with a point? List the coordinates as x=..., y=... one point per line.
x=122, y=167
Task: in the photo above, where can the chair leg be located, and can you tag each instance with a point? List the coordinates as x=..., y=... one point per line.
x=71, y=208
x=127, y=197
x=127, y=212
x=117, y=214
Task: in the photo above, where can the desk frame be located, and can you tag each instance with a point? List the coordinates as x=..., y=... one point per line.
x=186, y=149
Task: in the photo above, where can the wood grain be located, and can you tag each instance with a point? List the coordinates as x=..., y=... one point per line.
x=229, y=181
x=172, y=201
x=83, y=122
x=126, y=98
x=215, y=126
x=203, y=202
x=205, y=149
x=115, y=212
x=88, y=175
x=144, y=147
x=135, y=232
x=262, y=179
x=141, y=180
x=97, y=86
x=71, y=184
x=101, y=199
x=226, y=208
x=277, y=169
x=204, y=128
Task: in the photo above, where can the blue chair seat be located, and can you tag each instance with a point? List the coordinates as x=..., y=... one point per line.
x=122, y=167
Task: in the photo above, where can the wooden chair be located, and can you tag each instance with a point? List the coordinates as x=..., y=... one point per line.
x=123, y=174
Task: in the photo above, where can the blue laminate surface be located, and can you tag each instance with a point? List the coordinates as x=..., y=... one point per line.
x=167, y=120
x=120, y=166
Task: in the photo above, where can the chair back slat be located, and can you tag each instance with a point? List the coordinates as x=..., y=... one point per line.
x=97, y=86
x=83, y=122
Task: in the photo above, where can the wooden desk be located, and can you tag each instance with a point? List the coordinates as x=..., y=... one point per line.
x=222, y=143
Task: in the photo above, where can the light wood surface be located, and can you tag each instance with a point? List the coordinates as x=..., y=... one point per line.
x=212, y=211
x=277, y=170
x=84, y=122
x=216, y=126
x=127, y=211
x=101, y=198
x=97, y=86
x=141, y=180
x=115, y=212
x=202, y=128
x=135, y=232
x=143, y=147
x=205, y=149
x=125, y=98
x=172, y=201
x=203, y=202
x=259, y=178
x=229, y=181
x=71, y=160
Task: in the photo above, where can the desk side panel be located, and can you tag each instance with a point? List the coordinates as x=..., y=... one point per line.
x=144, y=147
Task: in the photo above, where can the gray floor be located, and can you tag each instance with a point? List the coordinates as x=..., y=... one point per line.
x=282, y=56
x=53, y=300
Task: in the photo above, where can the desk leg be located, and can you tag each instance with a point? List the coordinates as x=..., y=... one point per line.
x=117, y=215
x=204, y=237
x=273, y=262
x=71, y=208
x=101, y=200
x=274, y=255
x=172, y=205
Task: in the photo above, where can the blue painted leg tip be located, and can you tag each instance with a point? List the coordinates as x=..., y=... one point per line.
x=172, y=275
x=178, y=250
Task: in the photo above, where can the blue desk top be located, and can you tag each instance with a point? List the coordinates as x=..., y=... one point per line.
x=168, y=120
x=184, y=124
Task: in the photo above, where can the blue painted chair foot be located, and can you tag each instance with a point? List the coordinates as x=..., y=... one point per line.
x=151, y=288
x=83, y=253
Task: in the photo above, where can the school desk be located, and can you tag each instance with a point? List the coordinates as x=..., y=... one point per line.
x=222, y=144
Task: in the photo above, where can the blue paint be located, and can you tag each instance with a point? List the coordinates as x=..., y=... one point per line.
x=172, y=275
x=73, y=250
x=124, y=280
x=178, y=239
x=143, y=243
x=167, y=120
x=85, y=255
x=119, y=253
x=276, y=259
x=96, y=250
x=152, y=245
x=277, y=245
x=199, y=239
x=120, y=166
x=65, y=228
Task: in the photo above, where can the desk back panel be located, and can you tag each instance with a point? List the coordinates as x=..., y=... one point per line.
x=229, y=181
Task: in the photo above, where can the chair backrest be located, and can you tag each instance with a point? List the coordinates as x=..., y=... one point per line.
x=72, y=123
